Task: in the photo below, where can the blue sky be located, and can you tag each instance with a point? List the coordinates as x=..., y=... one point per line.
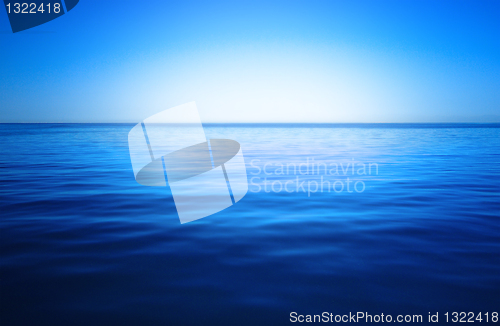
x=257, y=61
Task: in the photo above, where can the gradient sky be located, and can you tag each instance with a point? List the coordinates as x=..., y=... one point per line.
x=256, y=61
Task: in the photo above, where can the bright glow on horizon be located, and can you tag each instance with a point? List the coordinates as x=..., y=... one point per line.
x=258, y=62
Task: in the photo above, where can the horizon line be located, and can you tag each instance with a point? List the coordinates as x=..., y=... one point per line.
x=263, y=123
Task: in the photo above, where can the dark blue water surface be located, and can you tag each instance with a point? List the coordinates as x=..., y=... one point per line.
x=83, y=244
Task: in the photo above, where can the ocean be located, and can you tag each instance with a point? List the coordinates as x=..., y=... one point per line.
x=393, y=219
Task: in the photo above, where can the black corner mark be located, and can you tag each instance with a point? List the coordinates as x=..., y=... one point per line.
x=28, y=14
x=70, y=4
